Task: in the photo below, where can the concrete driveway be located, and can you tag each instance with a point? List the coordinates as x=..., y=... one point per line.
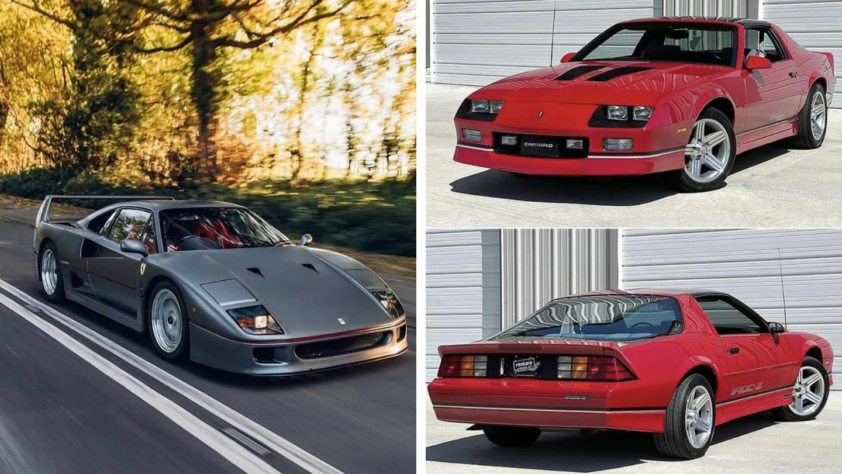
x=772, y=186
x=755, y=444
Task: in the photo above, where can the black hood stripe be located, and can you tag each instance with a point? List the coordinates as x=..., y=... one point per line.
x=577, y=71
x=620, y=71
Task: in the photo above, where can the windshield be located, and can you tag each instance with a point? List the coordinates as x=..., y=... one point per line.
x=205, y=228
x=609, y=317
x=700, y=43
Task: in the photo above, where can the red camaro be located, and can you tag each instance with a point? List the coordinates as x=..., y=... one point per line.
x=682, y=95
x=676, y=364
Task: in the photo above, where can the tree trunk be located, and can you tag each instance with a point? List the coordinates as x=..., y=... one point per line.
x=205, y=82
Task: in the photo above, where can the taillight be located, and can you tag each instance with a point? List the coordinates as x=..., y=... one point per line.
x=592, y=368
x=463, y=366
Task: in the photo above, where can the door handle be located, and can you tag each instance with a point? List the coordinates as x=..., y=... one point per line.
x=793, y=74
x=734, y=350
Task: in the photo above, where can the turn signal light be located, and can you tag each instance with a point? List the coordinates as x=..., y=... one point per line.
x=463, y=366
x=592, y=368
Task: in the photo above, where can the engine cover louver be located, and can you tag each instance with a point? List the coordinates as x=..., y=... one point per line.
x=571, y=74
x=620, y=71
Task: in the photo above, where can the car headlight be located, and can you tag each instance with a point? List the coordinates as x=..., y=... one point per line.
x=486, y=106
x=639, y=113
x=255, y=320
x=390, y=301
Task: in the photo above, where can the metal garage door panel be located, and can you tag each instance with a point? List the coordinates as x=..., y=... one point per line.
x=745, y=263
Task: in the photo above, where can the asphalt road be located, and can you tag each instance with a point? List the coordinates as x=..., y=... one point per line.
x=756, y=444
x=772, y=186
x=106, y=403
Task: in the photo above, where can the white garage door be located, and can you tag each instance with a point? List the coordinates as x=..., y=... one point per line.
x=476, y=42
x=815, y=24
x=463, y=289
x=763, y=268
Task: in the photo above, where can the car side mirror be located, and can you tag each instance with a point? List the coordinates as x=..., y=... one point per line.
x=756, y=62
x=306, y=239
x=133, y=246
x=776, y=328
x=567, y=57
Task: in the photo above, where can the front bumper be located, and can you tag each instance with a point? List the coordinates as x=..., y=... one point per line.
x=543, y=404
x=283, y=358
x=590, y=166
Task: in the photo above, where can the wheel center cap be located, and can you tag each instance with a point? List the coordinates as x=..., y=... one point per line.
x=169, y=320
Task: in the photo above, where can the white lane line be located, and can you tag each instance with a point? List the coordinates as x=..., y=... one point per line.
x=246, y=441
x=226, y=447
x=264, y=436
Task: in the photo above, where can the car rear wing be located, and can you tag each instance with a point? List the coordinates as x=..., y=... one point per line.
x=44, y=212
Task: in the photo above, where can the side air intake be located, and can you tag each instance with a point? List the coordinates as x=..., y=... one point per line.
x=620, y=71
x=577, y=71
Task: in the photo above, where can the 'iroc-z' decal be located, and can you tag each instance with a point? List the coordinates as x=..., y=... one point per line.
x=752, y=387
x=529, y=365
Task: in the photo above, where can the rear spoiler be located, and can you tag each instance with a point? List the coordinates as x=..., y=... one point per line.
x=830, y=59
x=44, y=212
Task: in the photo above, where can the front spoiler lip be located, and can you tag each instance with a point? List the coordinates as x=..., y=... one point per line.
x=334, y=367
x=592, y=156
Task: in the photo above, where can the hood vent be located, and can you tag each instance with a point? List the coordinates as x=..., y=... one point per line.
x=256, y=271
x=620, y=71
x=571, y=74
x=310, y=266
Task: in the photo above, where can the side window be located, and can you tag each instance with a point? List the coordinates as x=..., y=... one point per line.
x=762, y=43
x=728, y=319
x=149, y=237
x=128, y=224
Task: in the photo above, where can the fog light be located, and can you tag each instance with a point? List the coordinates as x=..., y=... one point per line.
x=617, y=144
x=471, y=135
x=575, y=143
x=508, y=140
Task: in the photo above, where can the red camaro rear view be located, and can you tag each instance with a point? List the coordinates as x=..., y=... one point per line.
x=676, y=95
x=668, y=363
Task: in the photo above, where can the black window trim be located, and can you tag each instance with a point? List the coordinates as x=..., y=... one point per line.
x=739, y=305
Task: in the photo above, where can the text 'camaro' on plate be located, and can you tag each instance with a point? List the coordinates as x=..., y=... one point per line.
x=214, y=282
x=677, y=95
x=676, y=364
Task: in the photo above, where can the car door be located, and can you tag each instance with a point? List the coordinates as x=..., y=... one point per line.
x=774, y=95
x=756, y=362
x=115, y=274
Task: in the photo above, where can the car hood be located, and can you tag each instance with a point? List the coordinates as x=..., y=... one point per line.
x=306, y=291
x=642, y=82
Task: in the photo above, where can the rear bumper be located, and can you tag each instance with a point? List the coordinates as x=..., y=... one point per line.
x=650, y=421
x=590, y=166
x=545, y=403
x=214, y=350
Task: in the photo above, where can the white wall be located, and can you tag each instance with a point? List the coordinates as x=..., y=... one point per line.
x=761, y=267
x=463, y=289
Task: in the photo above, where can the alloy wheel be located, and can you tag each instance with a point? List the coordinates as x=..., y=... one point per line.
x=706, y=156
x=818, y=115
x=49, y=272
x=166, y=321
x=698, y=419
x=808, y=392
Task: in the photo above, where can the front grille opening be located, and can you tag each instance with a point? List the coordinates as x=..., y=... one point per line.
x=265, y=355
x=345, y=345
x=563, y=151
x=402, y=333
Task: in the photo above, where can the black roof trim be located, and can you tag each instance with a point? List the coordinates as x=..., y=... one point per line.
x=748, y=22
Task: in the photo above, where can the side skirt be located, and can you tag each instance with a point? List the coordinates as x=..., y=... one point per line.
x=731, y=410
x=749, y=140
x=107, y=311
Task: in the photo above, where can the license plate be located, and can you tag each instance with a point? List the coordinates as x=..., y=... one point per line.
x=536, y=145
x=524, y=366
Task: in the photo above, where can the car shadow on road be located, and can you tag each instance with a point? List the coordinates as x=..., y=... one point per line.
x=575, y=452
x=597, y=191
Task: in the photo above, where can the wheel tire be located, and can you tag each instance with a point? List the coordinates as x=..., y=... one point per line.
x=786, y=413
x=683, y=179
x=50, y=252
x=674, y=441
x=804, y=138
x=511, y=436
x=157, y=334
